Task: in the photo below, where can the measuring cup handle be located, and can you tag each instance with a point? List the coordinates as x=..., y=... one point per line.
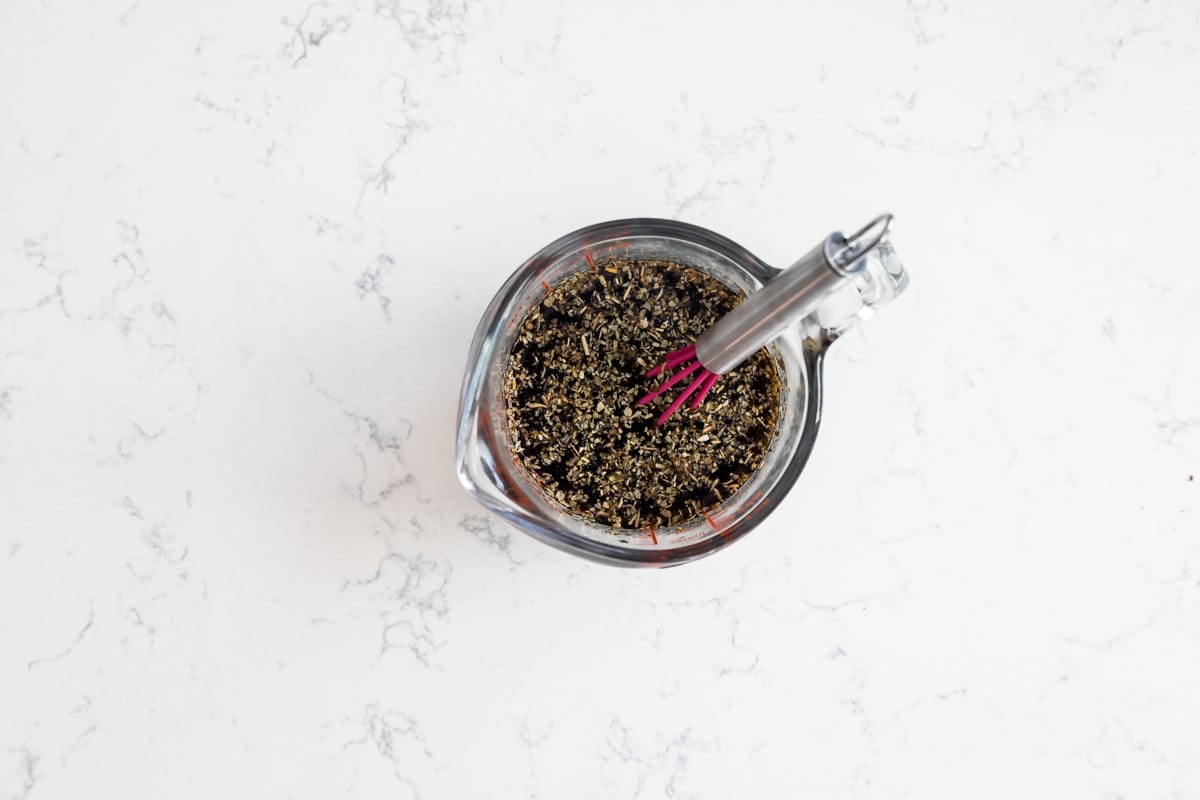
x=879, y=282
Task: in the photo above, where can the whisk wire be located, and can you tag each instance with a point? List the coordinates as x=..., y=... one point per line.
x=703, y=381
x=674, y=359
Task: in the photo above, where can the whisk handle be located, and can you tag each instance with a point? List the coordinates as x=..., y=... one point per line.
x=786, y=299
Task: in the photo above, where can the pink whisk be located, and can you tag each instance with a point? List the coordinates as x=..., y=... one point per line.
x=786, y=299
x=703, y=381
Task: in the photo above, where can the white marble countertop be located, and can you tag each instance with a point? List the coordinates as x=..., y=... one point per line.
x=244, y=246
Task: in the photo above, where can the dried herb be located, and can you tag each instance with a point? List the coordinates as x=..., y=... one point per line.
x=575, y=373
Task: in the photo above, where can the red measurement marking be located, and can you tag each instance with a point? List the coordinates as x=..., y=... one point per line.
x=760, y=500
x=711, y=524
x=588, y=257
x=754, y=506
x=653, y=537
x=546, y=286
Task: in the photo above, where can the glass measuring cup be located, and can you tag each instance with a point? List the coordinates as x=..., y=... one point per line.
x=489, y=471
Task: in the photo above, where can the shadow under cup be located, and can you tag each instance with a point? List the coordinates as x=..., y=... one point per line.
x=490, y=472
